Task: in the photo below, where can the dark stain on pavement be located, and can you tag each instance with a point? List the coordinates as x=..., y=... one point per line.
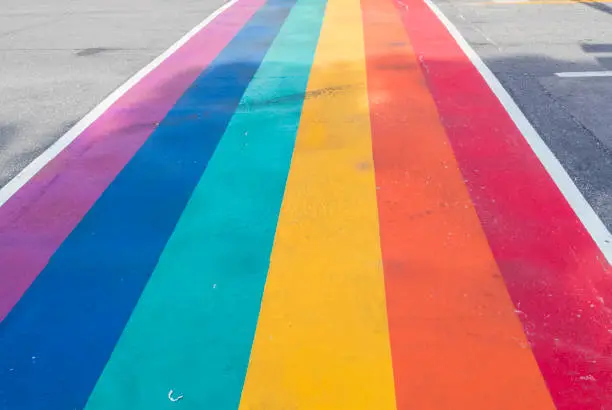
x=93, y=51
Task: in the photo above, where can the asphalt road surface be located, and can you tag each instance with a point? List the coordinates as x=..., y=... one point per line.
x=308, y=204
x=60, y=58
x=525, y=44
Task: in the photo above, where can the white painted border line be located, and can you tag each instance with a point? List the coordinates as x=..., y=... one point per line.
x=8, y=190
x=598, y=231
x=584, y=74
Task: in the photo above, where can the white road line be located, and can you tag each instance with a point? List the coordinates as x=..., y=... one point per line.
x=584, y=74
x=65, y=140
x=598, y=231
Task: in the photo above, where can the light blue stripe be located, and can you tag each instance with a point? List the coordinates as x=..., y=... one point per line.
x=56, y=341
x=193, y=328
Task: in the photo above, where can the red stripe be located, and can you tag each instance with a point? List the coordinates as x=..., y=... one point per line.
x=556, y=275
x=453, y=332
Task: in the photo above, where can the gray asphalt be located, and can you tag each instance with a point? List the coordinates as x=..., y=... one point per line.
x=524, y=45
x=60, y=58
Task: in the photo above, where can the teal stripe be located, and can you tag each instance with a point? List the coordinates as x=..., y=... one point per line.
x=193, y=328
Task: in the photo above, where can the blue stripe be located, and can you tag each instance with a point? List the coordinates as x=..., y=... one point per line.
x=57, y=339
x=194, y=324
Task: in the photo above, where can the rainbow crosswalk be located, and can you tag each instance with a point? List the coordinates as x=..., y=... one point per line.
x=311, y=204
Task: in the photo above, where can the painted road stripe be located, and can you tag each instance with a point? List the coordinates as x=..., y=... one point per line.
x=8, y=190
x=584, y=74
x=193, y=327
x=38, y=218
x=456, y=341
x=556, y=275
x=322, y=340
x=62, y=331
x=583, y=210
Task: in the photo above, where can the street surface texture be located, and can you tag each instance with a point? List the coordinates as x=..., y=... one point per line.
x=525, y=44
x=305, y=204
x=60, y=58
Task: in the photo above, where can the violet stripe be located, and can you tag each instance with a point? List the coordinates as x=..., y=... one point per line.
x=37, y=219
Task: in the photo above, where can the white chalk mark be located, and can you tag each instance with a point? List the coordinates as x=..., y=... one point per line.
x=583, y=210
x=584, y=74
x=174, y=399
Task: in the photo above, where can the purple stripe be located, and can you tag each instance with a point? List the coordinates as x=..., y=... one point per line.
x=37, y=219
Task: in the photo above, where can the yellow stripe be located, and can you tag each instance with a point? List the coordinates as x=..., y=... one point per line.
x=322, y=340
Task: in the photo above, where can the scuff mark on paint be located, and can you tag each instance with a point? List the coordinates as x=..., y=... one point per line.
x=174, y=399
x=295, y=98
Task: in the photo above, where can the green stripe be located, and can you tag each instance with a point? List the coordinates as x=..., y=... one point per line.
x=193, y=327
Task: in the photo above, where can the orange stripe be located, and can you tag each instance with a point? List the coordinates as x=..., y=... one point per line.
x=456, y=341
